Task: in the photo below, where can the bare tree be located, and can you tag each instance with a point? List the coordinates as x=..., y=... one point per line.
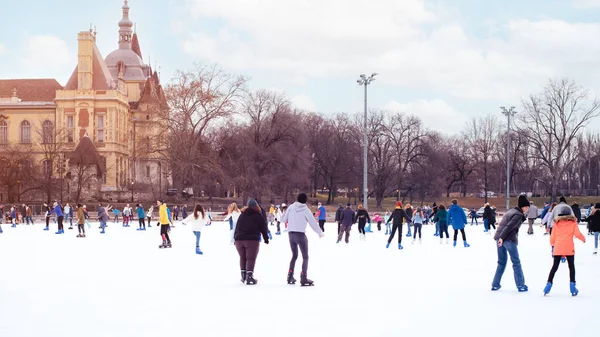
x=17, y=170
x=481, y=135
x=551, y=122
x=382, y=154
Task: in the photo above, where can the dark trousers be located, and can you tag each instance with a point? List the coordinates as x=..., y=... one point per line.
x=462, y=231
x=81, y=228
x=395, y=228
x=278, y=226
x=164, y=232
x=60, y=223
x=361, y=228
x=444, y=229
x=379, y=225
x=344, y=229
x=490, y=225
x=299, y=240
x=142, y=222
x=417, y=228
x=47, y=221
x=570, y=261
x=322, y=225
x=248, y=251
x=339, y=227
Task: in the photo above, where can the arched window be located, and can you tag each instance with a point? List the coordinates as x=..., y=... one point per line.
x=3, y=132
x=25, y=132
x=47, y=131
x=47, y=168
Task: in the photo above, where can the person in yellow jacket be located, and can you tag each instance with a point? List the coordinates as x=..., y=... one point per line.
x=163, y=219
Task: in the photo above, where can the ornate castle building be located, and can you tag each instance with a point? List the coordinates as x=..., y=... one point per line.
x=117, y=101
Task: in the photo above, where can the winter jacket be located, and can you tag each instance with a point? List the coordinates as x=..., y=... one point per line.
x=67, y=211
x=545, y=211
x=409, y=213
x=457, y=217
x=532, y=213
x=297, y=216
x=565, y=228
x=492, y=220
x=184, y=212
x=28, y=212
x=576, y=212
x=250, y=226
x=488, y=214
x=140, y=212
x=441, y=216
x=149, y=212
x=508, y=230
x=348, y=217
x=58, y=211
x=362, y=216
x=397, y=216
x=80, y=216
x=102, y=214
x=338, y=214
x=163, y=215
x=417, y=219
x=197, y=224
x=594, y=221
x=322, y=213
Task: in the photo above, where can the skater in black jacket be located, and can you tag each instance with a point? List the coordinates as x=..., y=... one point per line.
x=397, y=216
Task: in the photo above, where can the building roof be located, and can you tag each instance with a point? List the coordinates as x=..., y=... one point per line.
x=86, y=154
x=102, y=79
x=31, y=90
x=135, y=45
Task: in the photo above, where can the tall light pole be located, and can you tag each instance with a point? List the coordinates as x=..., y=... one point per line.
x=365, y=81
x=508, y=113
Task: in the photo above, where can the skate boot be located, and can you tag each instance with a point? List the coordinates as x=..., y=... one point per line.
x=250, y=280
x=595, y=250
x=454, y=243
x=496, y=288
x=547, y=288
x=447, y=240
x=387, y=245
x=420, y=242
x=83, y=235
x=139, y=229
x=269, y=234
x=198, y=251
x=70, y=227
x=466, y=244
x=290, y=277
x=441, y=241
x=78, y=235
x=243, y=276
x=59, y=232
x=574, y=290
x=409, y=234
x=304, y=281
x=102, y=232
x=523, y=289
x=277, y=233
x=400, y=246
x=413, y=241
x=1, y=230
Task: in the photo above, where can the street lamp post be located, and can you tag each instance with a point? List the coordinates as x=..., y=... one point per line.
x=365, y=81
x=508, y=113
x=132, y=183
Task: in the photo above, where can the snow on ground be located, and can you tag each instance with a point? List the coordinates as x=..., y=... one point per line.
x=121, y=284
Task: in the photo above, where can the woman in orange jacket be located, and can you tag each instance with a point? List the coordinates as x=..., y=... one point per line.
x=564, y=229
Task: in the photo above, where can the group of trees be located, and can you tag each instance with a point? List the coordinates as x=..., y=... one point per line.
x=226, y=139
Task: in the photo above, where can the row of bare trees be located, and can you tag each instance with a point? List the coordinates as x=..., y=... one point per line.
x=228, y=139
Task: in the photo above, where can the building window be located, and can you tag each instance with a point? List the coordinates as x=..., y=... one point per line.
x=147, y=171
x=25, y=132
x=100, y=127
x=3, y=132
x=70, y=129
x=47, y=130
x=47, y=168
x=103, y=164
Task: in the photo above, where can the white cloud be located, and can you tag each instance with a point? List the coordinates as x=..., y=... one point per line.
x=303, y=102
x=407, y=41
x=436, y=114
x=47, y=55
x=2, y=49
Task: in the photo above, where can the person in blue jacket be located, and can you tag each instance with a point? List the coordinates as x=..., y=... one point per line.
x=322, y=216
x=458, y=220
x=141, y=216
x=59, y=217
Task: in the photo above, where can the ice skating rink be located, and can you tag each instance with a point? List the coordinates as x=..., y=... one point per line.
x=120, y=284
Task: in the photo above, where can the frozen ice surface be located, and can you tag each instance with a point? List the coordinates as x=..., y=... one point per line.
x=121, y=284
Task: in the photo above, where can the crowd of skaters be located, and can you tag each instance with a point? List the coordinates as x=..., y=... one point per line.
x=250, y=225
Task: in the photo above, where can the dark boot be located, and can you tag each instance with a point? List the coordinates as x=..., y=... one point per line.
x=290, y=277
x=243, y=276
x=250, y=280
x=304, y=281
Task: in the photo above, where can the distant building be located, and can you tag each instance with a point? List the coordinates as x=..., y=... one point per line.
x=118, y=101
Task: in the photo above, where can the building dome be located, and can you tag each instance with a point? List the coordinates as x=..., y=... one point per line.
x=133, y=66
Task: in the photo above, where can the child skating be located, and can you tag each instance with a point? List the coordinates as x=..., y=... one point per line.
x=417, y=221
x=565, y=228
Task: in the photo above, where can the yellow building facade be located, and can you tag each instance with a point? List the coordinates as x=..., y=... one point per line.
x=117, y=101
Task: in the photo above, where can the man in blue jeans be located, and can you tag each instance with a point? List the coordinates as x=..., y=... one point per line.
x=507, y=241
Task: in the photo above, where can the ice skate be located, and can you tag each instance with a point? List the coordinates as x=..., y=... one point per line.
x=595, y=251
x=400, y=246
x=420, y=242
x=387, y=245
x=547, y=288
x=441, y=241
x=496, y=288
x=290, y=277
x=409, y=234
x=466, y=244
x=198, y=251
x=70, y=227
x=523, y=289
x=59, y=232
x=46, y=229
x=454, y=243
x=413, y=241
x=250, y=280
x=78, y=235
x=1, y=230
x=304, y=281
x=574, y=290
x=277, y=233
x=243, y=272
x=447, y=240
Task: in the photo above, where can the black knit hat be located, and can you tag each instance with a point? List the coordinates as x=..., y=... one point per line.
x=597, y=205
x=252, y=203
x=562, y=199
x=523, y=202
x=302, y=198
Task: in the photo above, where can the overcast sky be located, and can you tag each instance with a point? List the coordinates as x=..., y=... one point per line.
x=445, y=61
